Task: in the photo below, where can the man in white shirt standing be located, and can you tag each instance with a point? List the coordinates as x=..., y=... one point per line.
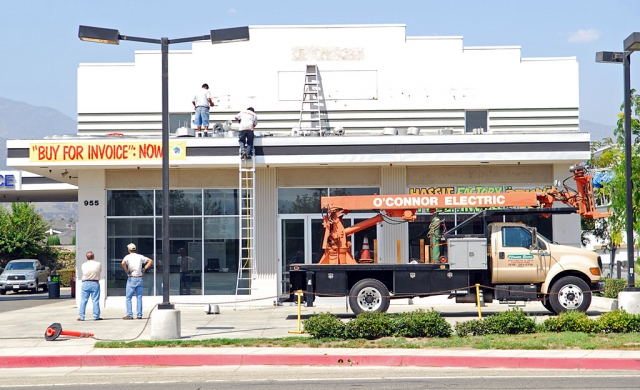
x=91, y=270
x=134, y=265
x=248, y=120
x=201, y=102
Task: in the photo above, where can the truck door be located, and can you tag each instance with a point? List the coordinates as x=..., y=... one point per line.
x=515, y=259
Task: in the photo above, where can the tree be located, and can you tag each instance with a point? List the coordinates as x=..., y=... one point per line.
x=618, y=184
x=604, y=155
x=23, y=232
x=613, y=157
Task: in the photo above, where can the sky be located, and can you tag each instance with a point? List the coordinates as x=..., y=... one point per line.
x=40, y=50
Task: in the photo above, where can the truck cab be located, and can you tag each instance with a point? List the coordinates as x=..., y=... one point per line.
x=560, y=275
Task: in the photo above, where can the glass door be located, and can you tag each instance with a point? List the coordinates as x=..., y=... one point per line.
x=292, y=247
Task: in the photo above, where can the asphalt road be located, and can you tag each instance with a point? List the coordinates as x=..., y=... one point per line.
x=312, y=378
x=26, y=299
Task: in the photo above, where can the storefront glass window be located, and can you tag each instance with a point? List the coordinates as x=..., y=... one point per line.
x=130, y=203
x=194, y=269
x=221, y=253
x=181, y=202
x=300, y=200
x=220, y=202
x=121, y=232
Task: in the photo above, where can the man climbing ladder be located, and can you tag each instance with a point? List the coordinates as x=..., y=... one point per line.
x=248, y=120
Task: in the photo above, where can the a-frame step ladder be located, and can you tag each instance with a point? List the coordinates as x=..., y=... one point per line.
x=246, y=262
x=310, y=111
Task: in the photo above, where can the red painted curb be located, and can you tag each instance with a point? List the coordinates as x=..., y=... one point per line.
x=319, y=360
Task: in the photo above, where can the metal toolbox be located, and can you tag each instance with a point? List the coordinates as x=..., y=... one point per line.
x=467, y=253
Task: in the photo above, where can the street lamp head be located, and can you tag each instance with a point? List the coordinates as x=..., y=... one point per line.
x=230, y=35
x=99, y=35
x=632, y=43
x=610, y=57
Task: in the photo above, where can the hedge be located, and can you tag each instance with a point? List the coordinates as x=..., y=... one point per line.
x=420, y=323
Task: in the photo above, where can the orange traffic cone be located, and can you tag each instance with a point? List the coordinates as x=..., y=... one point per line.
x=365, y=256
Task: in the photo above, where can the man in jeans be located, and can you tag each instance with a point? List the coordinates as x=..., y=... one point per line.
x=91, y=270
x=248, y=120
x=134, y=265
x=201, y=102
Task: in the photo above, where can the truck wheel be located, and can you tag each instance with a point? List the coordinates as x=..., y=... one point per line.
x=45, y=287
x=570, y=293
x=3, y=292
x=369, y=295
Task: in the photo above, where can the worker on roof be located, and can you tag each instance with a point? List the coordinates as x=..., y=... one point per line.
x=248, y=120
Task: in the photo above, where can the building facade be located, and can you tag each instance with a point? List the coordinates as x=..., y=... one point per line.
x=399, y=115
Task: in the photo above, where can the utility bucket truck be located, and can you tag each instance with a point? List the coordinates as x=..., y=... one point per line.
x=510, y=261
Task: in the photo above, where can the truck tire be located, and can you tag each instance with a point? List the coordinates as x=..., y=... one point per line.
x=45, y=287
x=570, y=293
x=3, y=292
x=369, y=295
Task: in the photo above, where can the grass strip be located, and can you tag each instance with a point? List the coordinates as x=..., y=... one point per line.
x=538, y=341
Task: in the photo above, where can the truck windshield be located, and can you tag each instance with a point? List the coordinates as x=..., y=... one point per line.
x=21, y=266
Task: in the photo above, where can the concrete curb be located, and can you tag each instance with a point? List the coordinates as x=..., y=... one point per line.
x=569, y=363
x=601, y=303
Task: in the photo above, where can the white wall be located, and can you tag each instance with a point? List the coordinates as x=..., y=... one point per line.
x=92, y=226
x=362, y=68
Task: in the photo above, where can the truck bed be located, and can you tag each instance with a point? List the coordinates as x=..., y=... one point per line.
x=400, y=279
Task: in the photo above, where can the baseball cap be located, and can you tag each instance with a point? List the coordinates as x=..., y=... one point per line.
x=132, y=246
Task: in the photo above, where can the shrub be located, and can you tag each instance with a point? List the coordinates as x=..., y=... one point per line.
x=73, y=240
x=513, y=321
x=421, y=323
x=470, y=328
x=618, y=321
x=613, y=286
x=571, y=321
x=324, y=325
x=65, y=276
x=53, y=240
x=369, y=325
x=65, y=260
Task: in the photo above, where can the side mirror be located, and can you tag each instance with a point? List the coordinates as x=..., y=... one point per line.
x=534, y=238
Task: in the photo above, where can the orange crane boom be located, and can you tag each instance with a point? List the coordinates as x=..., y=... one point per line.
x=337, y=247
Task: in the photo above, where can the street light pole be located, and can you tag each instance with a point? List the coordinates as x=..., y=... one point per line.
x=166, y=248
x=628, y=157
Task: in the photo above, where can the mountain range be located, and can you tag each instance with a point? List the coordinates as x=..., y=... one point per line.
x=22, y=120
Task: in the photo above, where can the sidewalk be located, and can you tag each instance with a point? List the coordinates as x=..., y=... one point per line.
x=22, y=342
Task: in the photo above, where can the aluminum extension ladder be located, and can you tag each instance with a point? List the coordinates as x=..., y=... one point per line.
x=310, y=110
x=246, y=262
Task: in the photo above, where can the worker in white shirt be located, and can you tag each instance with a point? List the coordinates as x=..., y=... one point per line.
x=248, y=120
x=91, y=270
x=201, y=102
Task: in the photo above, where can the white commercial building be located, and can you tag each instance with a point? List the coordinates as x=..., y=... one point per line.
x=423, y=114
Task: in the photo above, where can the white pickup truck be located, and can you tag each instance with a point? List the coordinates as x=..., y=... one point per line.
x=24, y=274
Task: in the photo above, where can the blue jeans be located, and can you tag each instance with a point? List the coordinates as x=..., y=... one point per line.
x=134, y=285
x=202, y=116
x=246, y=136
x=92, y=289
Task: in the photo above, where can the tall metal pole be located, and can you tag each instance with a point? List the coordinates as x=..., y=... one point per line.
x=627, y=156
x=165, y=175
